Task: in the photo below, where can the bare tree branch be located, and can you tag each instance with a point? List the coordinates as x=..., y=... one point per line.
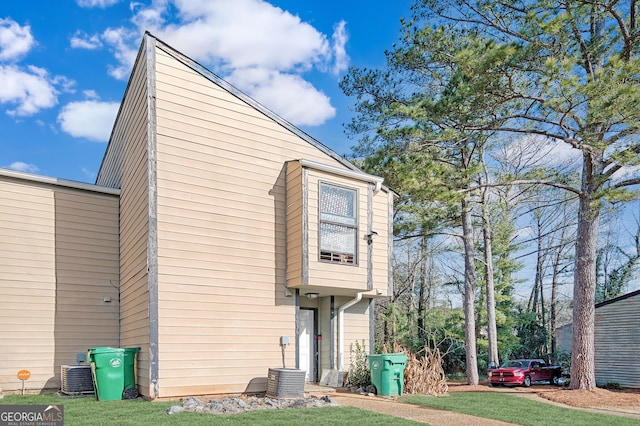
x=524, y=182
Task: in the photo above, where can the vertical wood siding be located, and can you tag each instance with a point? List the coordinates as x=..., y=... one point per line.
x=58, y=261
x=617, y=342
x=126, y=167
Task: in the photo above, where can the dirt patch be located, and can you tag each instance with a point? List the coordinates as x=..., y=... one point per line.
x=598, y=398
x=627, y=400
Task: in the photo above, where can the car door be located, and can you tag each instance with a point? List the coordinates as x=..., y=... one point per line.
x=535, y=371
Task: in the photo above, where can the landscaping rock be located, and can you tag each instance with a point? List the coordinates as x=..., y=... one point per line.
x=232, y=405
x=191, y=403
x=175, y=409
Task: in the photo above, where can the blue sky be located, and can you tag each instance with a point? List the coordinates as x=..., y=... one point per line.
x=64, y=65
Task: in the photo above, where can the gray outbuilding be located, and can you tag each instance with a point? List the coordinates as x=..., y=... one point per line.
x=617, y=341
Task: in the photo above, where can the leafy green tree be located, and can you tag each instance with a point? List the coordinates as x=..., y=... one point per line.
x=531, y=334
x=568, y=71
x=445, y=331
x=497, y=246
x=435, y=163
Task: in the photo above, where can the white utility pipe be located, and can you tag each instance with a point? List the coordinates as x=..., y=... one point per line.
x=341, y=310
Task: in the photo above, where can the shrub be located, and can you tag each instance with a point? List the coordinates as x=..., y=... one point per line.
x=613, y=386
x=359, y=374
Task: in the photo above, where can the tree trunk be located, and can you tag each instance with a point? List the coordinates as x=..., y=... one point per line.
x=469, y=295
x=584, y=278
x=537, y=282
x=554, y=297
x=492, y=331
x=543, y=316
x=423, y=289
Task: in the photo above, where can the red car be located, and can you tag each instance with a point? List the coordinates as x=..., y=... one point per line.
x=524, y=372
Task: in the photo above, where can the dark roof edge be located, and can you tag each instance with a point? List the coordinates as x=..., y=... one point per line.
x=197, y=67
x=619, y=298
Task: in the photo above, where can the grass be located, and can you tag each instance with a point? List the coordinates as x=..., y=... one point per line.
x=88, y=411
x=515, y=409
x=491, y=405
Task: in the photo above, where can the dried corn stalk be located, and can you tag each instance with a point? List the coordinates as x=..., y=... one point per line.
x=422, y=375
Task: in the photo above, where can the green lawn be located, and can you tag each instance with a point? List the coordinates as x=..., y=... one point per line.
x=88, y=411
x=492, y=405
x=514, y=409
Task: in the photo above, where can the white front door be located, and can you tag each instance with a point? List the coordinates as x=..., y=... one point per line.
x=306, y=344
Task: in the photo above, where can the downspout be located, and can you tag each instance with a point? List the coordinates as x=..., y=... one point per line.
x=341, y=310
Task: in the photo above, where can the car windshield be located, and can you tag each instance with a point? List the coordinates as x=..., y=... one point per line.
x=514, y=364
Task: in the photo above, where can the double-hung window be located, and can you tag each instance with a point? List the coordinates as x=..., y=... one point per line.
x=338, y=224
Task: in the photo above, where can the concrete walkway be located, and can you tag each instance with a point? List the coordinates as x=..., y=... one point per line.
x=392, y=407
x=434, y=417
x=412, y=412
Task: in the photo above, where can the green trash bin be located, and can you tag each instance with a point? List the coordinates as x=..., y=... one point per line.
x=113, y=371
x=130, y=356
x=387, y=373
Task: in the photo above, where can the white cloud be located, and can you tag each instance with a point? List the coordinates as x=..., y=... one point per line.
x=24, y=167
x=90, y=94
x=288, y=95
x=340, y=38
x=625, y=173
x=82, y=40
x=121, y=41
x=88, y=173
x=31, y=89
x=244, y=41
x=90, y=119
x=538, y=151
x=243, y=33
x=15, y=40
x=65, y=84
x=103, y=4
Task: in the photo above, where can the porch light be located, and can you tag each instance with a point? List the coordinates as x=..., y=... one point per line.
x=312, y=295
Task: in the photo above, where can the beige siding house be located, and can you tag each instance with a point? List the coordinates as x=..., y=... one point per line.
x=617, y=337
x=223, y=232
x=59, y=279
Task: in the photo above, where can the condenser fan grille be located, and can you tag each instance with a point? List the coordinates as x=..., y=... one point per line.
x=76, y=379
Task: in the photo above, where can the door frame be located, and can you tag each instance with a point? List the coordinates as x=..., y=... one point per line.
x=314, y=344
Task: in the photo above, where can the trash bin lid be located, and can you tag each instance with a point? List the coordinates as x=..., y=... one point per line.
x=105, y=350
x=400, y=357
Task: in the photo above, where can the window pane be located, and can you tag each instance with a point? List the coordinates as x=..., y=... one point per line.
x=337, y=205
x=337, y=238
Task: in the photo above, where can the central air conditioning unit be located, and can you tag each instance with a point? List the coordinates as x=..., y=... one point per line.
x=285, y=383
x=76, y=379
